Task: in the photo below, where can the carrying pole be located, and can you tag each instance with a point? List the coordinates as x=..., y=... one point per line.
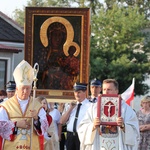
x=35, y=72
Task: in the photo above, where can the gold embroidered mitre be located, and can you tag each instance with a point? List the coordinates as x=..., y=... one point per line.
x=23, y=73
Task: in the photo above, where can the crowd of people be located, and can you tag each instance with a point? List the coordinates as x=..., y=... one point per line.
x=43, y=125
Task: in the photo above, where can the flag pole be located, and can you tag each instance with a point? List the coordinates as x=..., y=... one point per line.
x=133, y=81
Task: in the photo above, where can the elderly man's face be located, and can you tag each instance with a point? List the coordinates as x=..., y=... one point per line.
x=23, y=92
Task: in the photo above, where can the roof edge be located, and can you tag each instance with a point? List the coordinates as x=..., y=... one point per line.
x=12, y=22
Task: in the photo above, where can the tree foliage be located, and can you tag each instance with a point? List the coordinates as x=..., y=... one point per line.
x=19, y=16
x=143, y=5
x=119, y=47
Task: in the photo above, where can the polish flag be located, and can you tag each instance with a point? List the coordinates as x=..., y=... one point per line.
x=128, y=95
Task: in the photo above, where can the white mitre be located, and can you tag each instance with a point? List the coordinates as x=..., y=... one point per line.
x=23, y=73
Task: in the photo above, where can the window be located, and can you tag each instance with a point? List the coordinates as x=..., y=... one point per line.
x=3, y=73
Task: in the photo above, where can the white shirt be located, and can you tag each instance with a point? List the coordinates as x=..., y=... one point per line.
x=56, y=118
x=85, y=105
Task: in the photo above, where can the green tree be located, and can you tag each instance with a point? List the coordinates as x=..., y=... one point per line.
x=19, y=14
x=117, y=47
x=144, y=5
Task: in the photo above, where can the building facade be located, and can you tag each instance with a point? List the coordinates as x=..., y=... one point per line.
x=11, y=48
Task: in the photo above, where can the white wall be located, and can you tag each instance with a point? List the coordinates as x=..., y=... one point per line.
x=13, y=59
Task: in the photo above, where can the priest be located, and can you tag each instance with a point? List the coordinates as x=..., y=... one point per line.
x=123, y=136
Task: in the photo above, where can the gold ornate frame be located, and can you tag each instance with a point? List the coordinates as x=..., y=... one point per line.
x=75, y=25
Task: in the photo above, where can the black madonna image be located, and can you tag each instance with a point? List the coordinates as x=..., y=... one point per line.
x=57, y=53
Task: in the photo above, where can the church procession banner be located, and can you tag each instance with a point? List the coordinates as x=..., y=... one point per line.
x=58, y=39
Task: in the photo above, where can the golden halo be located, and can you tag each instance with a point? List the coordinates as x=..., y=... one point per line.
x=70, y=34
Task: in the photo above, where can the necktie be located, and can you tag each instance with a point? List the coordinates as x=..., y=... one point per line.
x=94, y=99
x=1, y=100
x=76, y=117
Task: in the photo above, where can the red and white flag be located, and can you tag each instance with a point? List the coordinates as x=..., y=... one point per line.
x=128, y=95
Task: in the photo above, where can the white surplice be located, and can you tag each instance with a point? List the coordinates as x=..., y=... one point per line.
x=127, y=140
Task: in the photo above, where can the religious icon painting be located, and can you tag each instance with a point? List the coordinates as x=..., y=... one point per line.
x=58, y=39
x=108, y=108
